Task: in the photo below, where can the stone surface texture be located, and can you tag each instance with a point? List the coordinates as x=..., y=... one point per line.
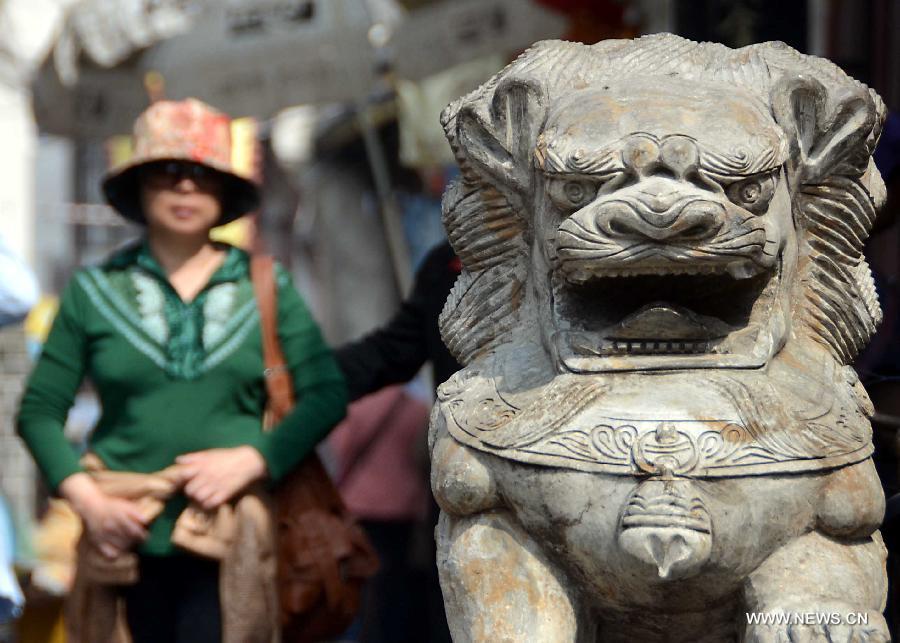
x=657, y=431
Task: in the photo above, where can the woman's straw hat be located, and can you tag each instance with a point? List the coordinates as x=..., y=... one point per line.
x=187, y=130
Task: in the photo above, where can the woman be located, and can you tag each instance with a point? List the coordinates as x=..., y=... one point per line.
x=168, y=332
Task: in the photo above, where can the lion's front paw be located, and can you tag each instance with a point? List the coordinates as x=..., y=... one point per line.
x=834, y=624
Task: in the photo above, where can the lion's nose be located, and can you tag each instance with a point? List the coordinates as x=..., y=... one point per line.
x=691, y=222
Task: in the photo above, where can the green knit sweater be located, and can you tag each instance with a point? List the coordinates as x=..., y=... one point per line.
x=172, y=376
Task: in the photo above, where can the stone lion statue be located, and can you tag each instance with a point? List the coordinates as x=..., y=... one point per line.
x=656, y=435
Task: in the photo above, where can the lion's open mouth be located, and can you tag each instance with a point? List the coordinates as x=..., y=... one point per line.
x=663, y=318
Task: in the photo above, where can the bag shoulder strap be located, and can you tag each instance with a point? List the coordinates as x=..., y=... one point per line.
x=279, y=385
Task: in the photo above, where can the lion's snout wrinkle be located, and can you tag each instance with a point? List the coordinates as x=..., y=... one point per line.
x=659, y=219
x=683, y=222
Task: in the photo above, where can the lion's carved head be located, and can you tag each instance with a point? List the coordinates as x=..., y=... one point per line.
x=663, y=204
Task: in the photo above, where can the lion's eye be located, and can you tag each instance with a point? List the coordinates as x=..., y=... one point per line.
x=753, y=193
x=576, y=191
x=571, y=194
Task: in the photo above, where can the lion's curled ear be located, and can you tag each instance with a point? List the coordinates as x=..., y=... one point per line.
x=499, y=140
x=829, y=132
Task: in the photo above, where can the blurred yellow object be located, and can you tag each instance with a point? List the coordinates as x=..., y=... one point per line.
x=119, y=149
x=155, y=86
x=55, y=542
x=245, y=161
x=238, y=233
x=40, y=319
x=245, y=147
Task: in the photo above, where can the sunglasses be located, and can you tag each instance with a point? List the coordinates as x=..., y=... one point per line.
x=168, y=174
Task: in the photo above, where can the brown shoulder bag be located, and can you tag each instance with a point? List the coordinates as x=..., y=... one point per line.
x=324, y=557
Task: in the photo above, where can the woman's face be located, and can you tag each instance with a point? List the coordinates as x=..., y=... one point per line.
x=180, y=197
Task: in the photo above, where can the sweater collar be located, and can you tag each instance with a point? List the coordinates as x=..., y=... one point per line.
x=234, y=268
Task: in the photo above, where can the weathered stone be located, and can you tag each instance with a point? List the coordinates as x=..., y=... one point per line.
x=657, y=431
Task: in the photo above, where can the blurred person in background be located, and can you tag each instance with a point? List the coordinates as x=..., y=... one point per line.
x=393, y=354
x=167, y=329
x=378, y=469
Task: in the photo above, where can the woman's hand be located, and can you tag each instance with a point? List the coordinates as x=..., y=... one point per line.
x=114, y=525
x=215, y=476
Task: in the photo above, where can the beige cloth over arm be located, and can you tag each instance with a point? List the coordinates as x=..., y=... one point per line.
x=238, y=534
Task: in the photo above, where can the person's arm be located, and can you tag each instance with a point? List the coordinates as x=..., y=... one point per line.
x=18, y=287
x=114, y=524
x=394, y=353
x=50, y=391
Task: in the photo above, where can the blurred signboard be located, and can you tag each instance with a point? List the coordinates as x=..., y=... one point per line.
x=443, y=34
x=247, y=57
x=256, y=57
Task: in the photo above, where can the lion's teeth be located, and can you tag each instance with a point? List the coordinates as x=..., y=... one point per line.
x=655, y=347
x=737, y=270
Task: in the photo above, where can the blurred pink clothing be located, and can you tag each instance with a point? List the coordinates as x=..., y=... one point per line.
x=379, y=455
